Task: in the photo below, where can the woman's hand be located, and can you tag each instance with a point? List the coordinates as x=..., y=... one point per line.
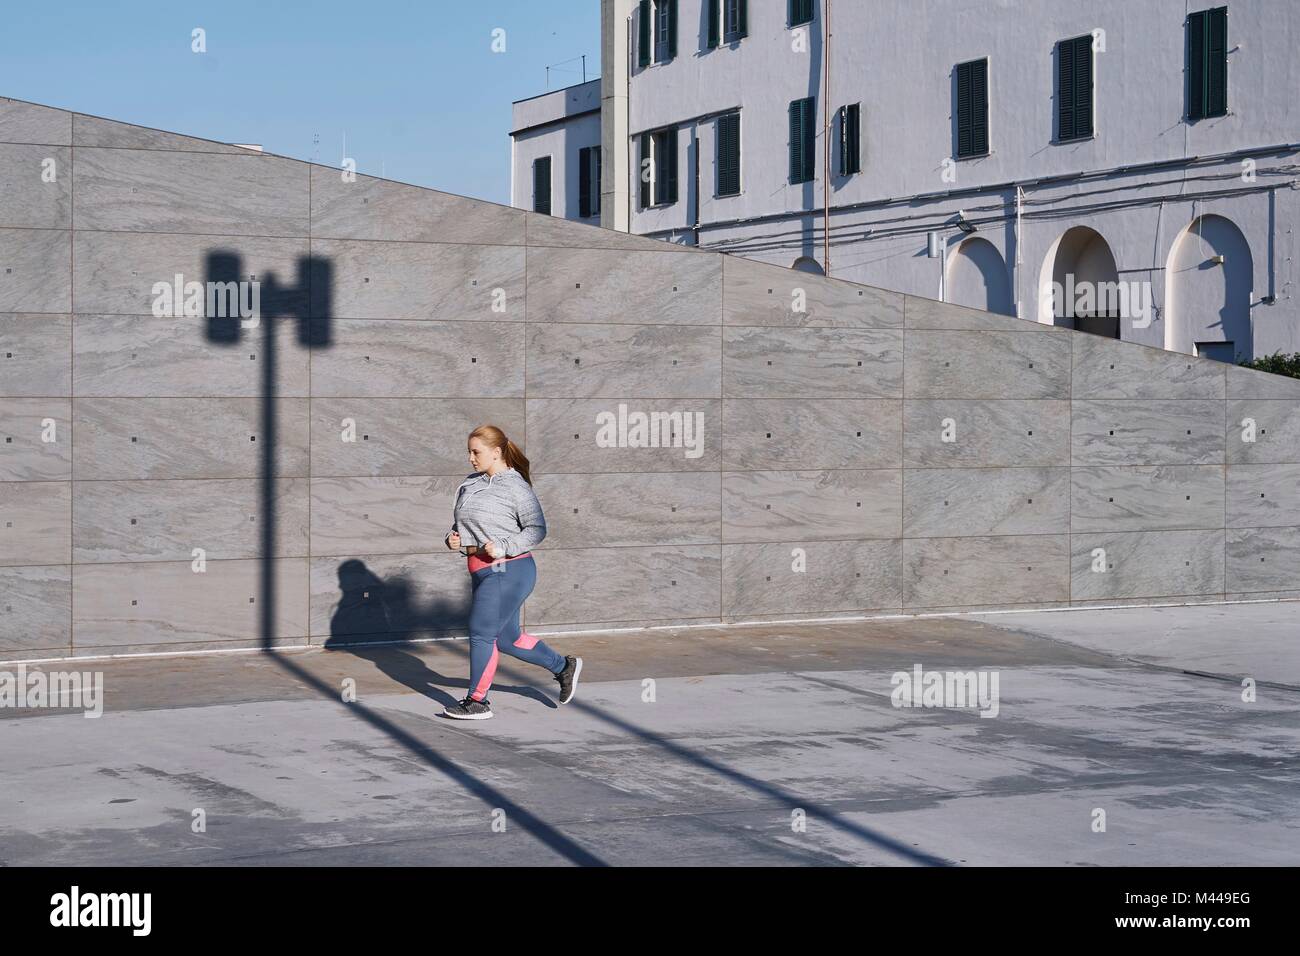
x=453, y=541
x=491, y=548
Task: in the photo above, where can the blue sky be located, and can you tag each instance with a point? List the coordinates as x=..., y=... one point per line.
x=414, y=86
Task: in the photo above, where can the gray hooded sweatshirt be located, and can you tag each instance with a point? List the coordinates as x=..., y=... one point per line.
x=501, y=508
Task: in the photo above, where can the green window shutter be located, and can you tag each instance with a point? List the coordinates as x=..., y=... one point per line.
x=796, y=141
x=586, y=169
x=844, y=139
x=640, y=172
x=1207, y=63
x=729, y=154
x=1065, y=90
x=980, y=107
x=743, y=25
x=1216, y=100
x=972, y=108
x=1074, y=88
x=589, y=182
x=542, y=185
x=802, y=140
x=1083, y=86
x=643, y=34
x=672, y=28
x=850, y=140
x=855, y=141
x=1196, y=65
x=714, y=10
x=964, y=110
x=584, y=185
x=800, y=11
x=670, y=164
x=809, y=138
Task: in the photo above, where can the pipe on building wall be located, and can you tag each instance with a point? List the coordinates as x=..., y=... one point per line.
x=826, y=138
x=628, y=109
x=695, y=205
x=1019, y=260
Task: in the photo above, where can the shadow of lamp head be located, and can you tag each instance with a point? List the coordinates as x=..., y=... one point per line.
x=309, y=300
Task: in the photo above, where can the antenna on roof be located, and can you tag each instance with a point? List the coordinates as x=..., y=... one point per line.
x=556, y=67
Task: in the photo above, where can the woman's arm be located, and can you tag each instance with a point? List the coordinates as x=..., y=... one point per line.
x=532, y=525
x=455, y=528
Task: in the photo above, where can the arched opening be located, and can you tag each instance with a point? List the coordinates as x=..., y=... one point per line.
x=977, y=277
x=1208, y=291
x=808, y=264
x=1079, y=284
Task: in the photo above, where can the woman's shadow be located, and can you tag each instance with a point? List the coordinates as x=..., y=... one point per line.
x=373, y=613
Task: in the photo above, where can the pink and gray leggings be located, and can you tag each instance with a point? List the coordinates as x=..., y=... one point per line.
x=500, y=590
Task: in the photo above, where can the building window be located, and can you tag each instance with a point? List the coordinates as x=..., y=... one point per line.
x=972, y=108
x=801, y=11
x=663, y=13
x=643, y=33
x=656, y=31
x=589, y=182
x=658, y=170
x=1074, y=88
x=729, y=154
x=1207, y=63
x=728, y=19
x=736, y=17
x=665, y=165
x=850, y=139
x=803, y=142
x=542, y=185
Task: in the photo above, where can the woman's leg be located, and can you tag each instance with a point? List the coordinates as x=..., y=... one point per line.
x=521, y=578
x=484, y=625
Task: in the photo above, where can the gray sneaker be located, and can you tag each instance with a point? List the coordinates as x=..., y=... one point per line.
x=469, y=709
x=568, y=678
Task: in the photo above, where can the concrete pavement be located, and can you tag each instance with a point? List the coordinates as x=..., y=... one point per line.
x=742, y=733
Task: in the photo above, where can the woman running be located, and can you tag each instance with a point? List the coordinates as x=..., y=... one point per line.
x=497, y=518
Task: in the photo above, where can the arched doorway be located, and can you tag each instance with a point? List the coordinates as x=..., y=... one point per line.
x=1209, y=284
x=808, y=264
x=1079, y=284
x=977, y=277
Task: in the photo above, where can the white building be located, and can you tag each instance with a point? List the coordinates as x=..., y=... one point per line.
x=555, y=153
x=1128, y=168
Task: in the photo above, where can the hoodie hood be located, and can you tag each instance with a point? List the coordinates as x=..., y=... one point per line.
x=485, y=478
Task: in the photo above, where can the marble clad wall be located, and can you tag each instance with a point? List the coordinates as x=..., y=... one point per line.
x=173, y=483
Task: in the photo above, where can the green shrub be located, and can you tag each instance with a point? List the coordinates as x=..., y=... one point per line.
x=1278, y=363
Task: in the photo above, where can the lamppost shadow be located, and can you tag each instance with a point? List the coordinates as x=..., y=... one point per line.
x=309, y=304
